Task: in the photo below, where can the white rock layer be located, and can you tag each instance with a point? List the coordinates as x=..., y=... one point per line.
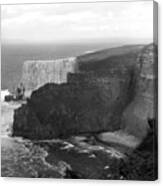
x=37, y=73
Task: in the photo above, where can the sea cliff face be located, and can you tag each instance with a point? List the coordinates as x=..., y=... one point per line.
x=142, y=109
x=101, y=96
x=37, y=73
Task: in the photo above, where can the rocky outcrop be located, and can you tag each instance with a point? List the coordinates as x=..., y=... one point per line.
x=92, y=100
x=135, y=122
x=73, y=108
x=37, y=73
x=142, y=163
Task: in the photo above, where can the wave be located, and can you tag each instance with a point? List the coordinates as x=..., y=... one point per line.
x=89, y=51
x=4, y=93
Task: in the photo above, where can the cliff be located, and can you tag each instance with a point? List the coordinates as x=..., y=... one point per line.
x=37, y=73
x=137, y=116
x=92, y=100
x=142, y=110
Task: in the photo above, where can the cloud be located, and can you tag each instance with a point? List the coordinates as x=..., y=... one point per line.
x=58, y=22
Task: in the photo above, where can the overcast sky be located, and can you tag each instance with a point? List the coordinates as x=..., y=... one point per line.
x=80, y=21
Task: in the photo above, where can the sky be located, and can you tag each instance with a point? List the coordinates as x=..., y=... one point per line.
x=77, y=22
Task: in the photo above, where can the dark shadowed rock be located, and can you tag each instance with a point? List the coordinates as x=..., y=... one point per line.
x=92, y=101
x=143, y=107
x=142, y=163
x=73, y=108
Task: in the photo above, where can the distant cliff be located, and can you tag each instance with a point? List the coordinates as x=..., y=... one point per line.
x=37, y=73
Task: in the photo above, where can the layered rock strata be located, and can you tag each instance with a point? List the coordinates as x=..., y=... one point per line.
x=37, y=73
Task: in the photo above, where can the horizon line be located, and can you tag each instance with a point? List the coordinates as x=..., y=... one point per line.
x=65, y=2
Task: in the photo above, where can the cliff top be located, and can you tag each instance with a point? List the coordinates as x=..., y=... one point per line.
x=106, y=53
x=50, y=61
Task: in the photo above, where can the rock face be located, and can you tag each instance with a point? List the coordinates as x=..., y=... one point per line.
x=73, y=108
x=37, y=73
x=142, y=163
x=143, y=108
x=92, y=101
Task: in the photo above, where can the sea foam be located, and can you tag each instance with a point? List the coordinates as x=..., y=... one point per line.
x=3, y=94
